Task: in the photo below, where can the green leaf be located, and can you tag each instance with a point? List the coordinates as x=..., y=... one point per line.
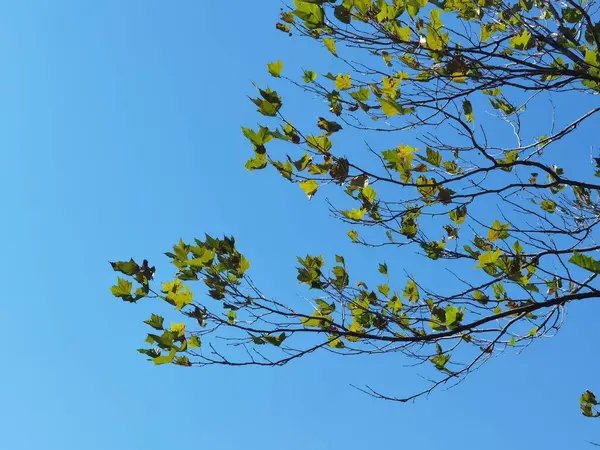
x=129, y=268
x=411, y=291
x=183, y=361
x=310, y=12
x=309, y=76
x=257, y=163
x=436, y=39
x=325, y=308
x=152, y=352
x=362, y=95
x=343, y=14
x=402, y=33
x=383, y=269
x=330, y=44
x=548, y=206
x=302, y=162
x=155, y=322
x=433, y=157
x=502, y=105
x=309, y=187
x=493, y=92
x=317, y=321
x=286, y=169
x=258, y=138
x=522, y=41
x=269, y=104
x=244, y=265
x=231, y=317
x=165, y=359
x=480, y=297
x=320, y=143
x=468, y=109
x=275, y=68
x=353, y=235
x=585, y=262
x=328, y=125
x=275, y=340
x=204, y=257
x=341, y=277
x=164, y=341
x=458, y=215
x=587, y=403
x=454, y=316
x=440, y=359
x=384, y=289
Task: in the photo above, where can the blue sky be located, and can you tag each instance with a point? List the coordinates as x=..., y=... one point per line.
x=119, y=134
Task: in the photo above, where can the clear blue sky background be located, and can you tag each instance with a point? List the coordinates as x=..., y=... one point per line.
x=119, y=133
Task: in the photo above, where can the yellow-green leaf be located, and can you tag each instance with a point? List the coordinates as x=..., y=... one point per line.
x=309, y=76
x=355, y=214
x=309, y=187
x=548, y=206
x=391, y=108
x=330, y=44
x=122, y=288
x=275, y=68
x=166, y=359
x=194, y=342
x=498, y=231
x=490, y=257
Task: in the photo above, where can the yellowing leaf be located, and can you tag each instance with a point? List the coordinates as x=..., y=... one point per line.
x=178, y=329
x=390, y=87
x=342, y=82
